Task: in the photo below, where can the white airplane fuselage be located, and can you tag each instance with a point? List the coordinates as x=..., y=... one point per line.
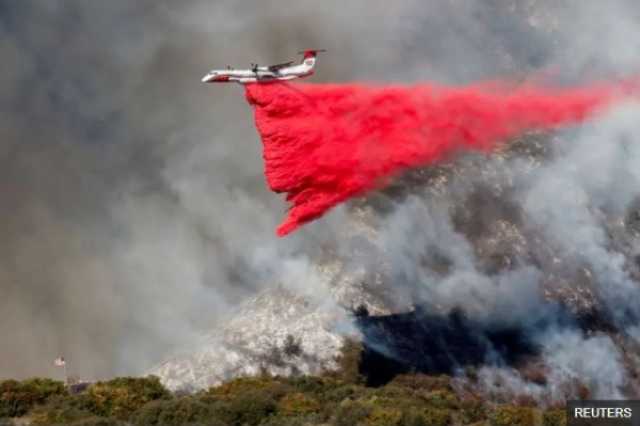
x=263, y=74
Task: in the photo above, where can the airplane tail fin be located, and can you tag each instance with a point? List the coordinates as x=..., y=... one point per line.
x=309, y=57
x=310, y=53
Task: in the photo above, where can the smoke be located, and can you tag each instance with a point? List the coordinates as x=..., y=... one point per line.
x=518, y=241
x=119, y=176
x=135, y=213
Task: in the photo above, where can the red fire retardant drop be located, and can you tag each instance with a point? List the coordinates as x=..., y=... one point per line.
x=326, y=143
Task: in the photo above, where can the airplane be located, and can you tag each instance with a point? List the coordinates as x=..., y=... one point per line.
x=264, y=74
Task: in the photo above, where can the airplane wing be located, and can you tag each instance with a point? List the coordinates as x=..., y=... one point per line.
x=276, y=67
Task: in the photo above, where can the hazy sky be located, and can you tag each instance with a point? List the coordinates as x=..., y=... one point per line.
x=135, y=213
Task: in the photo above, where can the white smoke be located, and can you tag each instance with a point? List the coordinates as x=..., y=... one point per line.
x=576, y=202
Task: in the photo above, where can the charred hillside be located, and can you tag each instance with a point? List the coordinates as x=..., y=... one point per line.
x=450, y=344
x=466, y=270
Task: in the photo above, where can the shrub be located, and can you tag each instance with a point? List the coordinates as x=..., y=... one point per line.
x=313, y=384
x=177, y=412
x=422, y=382
x=249, y=408
x=291, y=421
x=441, y=399
x=296, y=404
x=384, y=416
x=472, y=411
x=90, y=420
x=339, y=394
x=393, y=391
x=436, y=417
x=351, y=413
x=17, y=398
x=96, y=421
x=554, y=418
x=412, y=417
x=240, y=386
x=63, y=410
x=409, y=400
x=121, y=397
x=292, y=346
x=425, y=417
x=508, y=415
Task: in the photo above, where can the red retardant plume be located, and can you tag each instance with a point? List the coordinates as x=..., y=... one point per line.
x=326, y=143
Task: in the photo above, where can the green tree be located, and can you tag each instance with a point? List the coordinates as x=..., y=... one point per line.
x=17, y=398
x=121, y=397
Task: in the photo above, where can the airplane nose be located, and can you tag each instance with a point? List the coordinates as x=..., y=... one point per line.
x=207, y=78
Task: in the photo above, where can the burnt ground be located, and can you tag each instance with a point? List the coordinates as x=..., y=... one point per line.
x=423, y=342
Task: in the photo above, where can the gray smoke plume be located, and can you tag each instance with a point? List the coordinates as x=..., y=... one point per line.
x=560, y=231
x=135, y=213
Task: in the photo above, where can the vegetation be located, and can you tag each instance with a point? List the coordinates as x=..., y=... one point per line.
x=513, y=416
x=554, y=418
x=334, y=399
x=17, y=398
